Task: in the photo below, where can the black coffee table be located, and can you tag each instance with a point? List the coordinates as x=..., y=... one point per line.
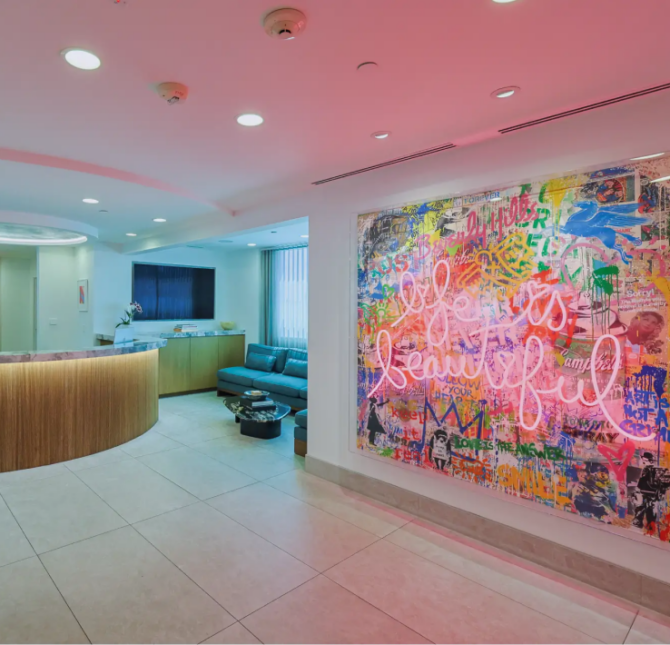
x=262, y=424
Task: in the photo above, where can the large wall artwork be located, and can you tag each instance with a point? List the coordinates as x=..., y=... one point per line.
x=518, y=340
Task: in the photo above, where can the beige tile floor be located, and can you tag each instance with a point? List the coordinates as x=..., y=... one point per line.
x=195, y=534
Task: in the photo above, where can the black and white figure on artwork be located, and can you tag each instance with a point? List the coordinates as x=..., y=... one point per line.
x=375, y=426
x=440, y=449
x=654, y=482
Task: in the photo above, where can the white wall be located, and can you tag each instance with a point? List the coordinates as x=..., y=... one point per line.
x=58, y=324
x=84, y=257
x=240, y=292
x=17, y=304
x=237, y=296
x=109, y=275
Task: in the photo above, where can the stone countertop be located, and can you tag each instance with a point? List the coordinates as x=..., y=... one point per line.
x=195, y=334
x=89, y=352
x=181, y=334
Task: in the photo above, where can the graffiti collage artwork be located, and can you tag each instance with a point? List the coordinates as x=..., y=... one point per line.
x=518, y=340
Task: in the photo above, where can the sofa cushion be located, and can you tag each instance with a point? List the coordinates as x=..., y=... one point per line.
x=279, y=352
x=297, y=354
x=281, y=384
x=295, y=367
x=240, y=375
x=301, y=418
x=303, y=393
x=262, y=362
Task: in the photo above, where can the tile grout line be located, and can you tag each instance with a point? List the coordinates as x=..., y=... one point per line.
x=523, y=604
x=232, y=519
x=234, y=490
x=337, y=564
x=180, y=570
x=197, y=501
x=266, y=481
x=367, y=602
x=630, y=629
x=149, y=454
x=318, y=573
x=237, y=622
x=118, y=528
x=109, y=463
x=31, y=481
x=67, y=604
x=318, y=508
x=450, y=571
x=527, y=565
x=11, y=512
x=153, y=471
x=99, y=497
x=38, y=555
x=225, y=464
x=251, y=613
x=256, y=481
x=86, y=539
x=9, y=564
x=252, y=448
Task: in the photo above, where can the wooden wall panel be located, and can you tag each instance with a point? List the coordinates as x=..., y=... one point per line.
x=175, y=366
x=231, y=351
x=204, y=362
x=59, y=410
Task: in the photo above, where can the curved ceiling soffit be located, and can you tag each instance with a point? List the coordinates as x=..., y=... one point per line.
x=38, y=219
x=62, y=163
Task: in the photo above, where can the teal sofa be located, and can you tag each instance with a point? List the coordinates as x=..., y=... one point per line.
x=283, y=387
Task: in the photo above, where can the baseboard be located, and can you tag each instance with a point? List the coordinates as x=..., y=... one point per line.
x=169, y=394
x=607, y=576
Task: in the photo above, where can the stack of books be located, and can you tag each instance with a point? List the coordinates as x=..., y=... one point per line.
x=268, y=404
x=180, y=327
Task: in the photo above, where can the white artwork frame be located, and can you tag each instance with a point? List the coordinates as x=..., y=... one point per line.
x=82, y=294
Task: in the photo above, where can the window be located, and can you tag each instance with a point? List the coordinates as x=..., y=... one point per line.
x=286, y=297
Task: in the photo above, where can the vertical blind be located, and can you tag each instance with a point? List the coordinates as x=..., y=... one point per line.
x=286, y=298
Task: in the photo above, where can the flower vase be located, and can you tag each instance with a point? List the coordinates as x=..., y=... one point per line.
x=124, y=334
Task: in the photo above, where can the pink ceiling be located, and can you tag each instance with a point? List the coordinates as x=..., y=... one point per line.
x=438, y=62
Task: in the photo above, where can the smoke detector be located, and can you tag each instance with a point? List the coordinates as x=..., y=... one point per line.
x=172, y=92
x=284, y=24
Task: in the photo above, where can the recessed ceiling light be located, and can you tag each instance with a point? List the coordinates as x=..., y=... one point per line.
x=131, y=234
x=658, y=154
x=90, y=200
x=251, y=244
x=81, y=59
x=304, y=236
x=655, y=181
x=505, y=92
x=382, y=134
x=159, y=219
x=503, y=1
x=250, y=119
x=495, y=199
x=30, y=241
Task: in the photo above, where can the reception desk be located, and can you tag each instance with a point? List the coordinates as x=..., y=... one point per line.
x=61, y=405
